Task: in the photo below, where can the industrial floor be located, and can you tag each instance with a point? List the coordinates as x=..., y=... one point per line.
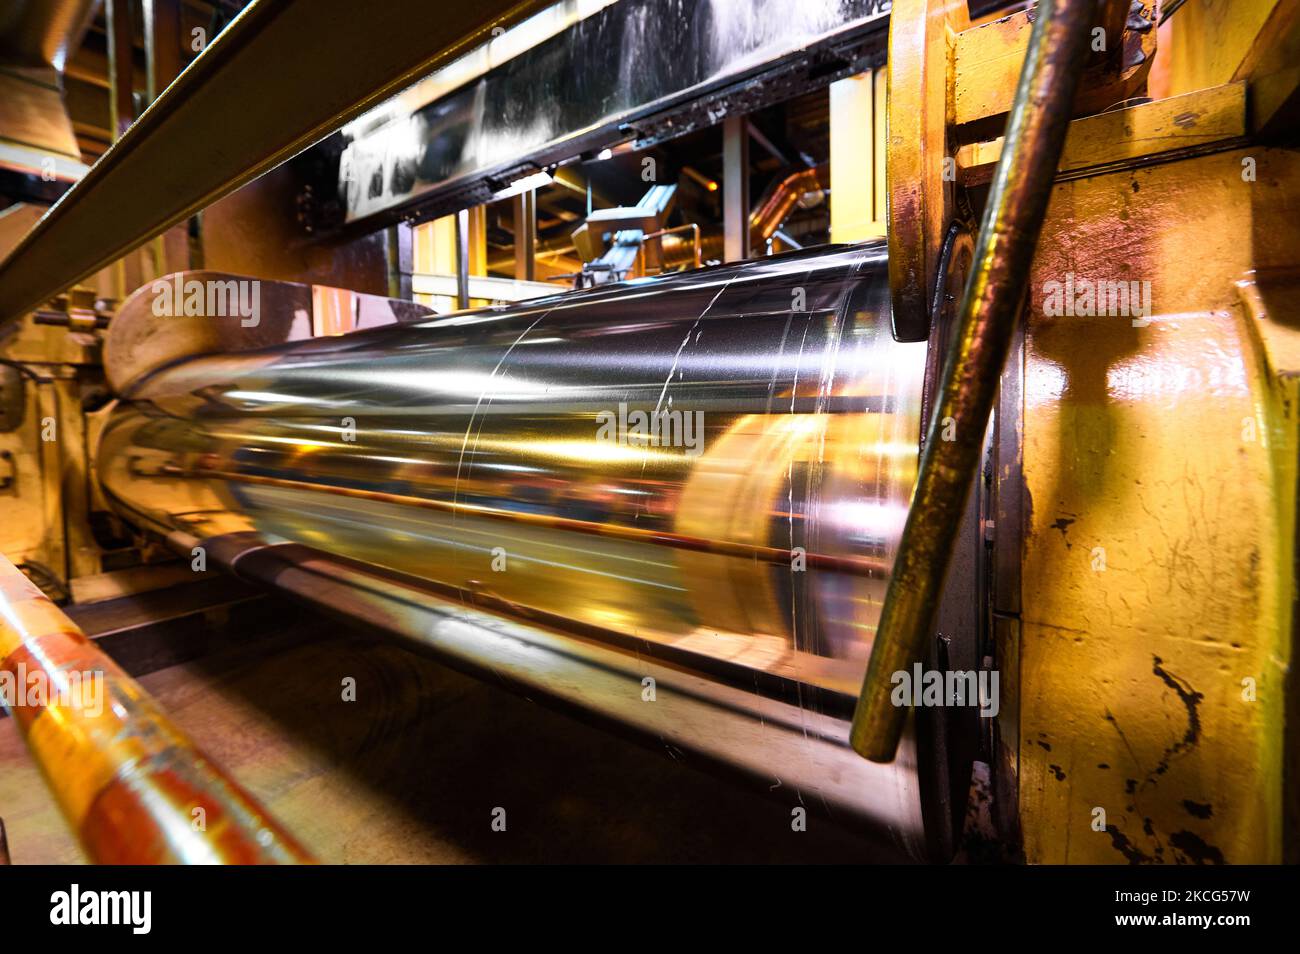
x=411, y=771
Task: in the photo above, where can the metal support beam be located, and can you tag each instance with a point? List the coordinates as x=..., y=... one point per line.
x=525, y=210
x=462, y=259
x=735, y=188
x=121, y=66
x=162, y=44
x=856, y=167
x=286, y=57
x=770, y=147
x=162, y=54
x=401, y=262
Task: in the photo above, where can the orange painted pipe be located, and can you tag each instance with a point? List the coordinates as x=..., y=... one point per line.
x=132, y=786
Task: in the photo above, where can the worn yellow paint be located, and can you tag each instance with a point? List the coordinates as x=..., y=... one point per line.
x=1159, y=462
x=985, y=69
x=986, y=64
x=1209, y=40
x=1273, y=70
x=433, y=251
x=880, y=127
x=1190, y=121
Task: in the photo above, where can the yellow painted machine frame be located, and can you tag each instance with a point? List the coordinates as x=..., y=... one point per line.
x=1159, y=468
x=1145, y=442
x=1157, y=708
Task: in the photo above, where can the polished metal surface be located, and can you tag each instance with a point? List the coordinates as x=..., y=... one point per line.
x=481, y=456
x=142, y=343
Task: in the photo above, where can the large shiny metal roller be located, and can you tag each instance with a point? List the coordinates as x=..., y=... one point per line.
x=502, y=465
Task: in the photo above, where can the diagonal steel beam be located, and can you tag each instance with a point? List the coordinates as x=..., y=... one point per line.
x=281, y=76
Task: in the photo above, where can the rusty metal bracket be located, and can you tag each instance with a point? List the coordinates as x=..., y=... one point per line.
x=920, y=172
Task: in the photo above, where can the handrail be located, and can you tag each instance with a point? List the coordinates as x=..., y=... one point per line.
x=990, y=311
x=692, y=227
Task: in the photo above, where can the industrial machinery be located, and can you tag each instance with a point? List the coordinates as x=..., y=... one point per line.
x=893, y=405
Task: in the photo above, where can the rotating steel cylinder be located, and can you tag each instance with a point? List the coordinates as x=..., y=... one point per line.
x=702, y=476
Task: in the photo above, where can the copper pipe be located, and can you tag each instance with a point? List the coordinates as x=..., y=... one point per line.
x=132, y=786
x=779, y=202
x=990, y=308
x=692, y=227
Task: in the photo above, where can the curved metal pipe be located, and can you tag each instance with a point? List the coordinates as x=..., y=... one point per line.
x=779, y=201
x=765, y=220
x=133, y=787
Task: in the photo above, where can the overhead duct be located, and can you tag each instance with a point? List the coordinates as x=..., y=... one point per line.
x=43, y=33
x=37, y=143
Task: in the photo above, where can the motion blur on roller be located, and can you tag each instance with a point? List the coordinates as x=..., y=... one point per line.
x=649, y=431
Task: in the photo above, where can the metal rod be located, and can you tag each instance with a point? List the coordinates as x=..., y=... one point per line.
x=132, y=786
x=282, y=54
x=990, y=309
x=692, y=227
